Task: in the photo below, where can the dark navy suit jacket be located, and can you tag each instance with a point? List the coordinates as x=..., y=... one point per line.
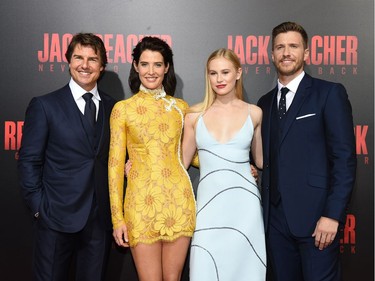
x=60, y=170
x=316, y=160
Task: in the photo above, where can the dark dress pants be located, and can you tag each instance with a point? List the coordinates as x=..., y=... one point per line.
x=296, y=258
x=55, y=252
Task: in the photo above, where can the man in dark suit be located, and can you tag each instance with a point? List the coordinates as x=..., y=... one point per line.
x=63, y=169
x=309, y=164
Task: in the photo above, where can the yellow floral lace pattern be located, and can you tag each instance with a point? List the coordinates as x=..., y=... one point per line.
x=159, y=203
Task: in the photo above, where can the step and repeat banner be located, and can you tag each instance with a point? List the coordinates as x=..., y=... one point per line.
x=34, y=37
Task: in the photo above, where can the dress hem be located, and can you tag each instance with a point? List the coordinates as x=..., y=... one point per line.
x=163, y=238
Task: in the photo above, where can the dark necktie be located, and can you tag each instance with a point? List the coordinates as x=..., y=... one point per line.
x=282, y=102
x=90, y=108
x=274, y=192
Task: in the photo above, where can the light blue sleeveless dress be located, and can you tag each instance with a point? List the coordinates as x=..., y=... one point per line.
x=228, y=243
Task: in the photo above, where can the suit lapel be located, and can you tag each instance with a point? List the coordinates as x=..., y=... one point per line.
x=267, y=117
x=101, y=124
x=271, y=104
x=303, y=91
x=104, y=113
x=73, y=115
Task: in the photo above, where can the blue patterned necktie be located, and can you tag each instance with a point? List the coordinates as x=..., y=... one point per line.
x=282, y=102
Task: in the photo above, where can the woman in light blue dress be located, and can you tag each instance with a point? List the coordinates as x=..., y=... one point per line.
x=228, y=243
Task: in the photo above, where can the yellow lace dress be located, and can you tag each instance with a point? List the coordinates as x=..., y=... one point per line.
x=159, y=202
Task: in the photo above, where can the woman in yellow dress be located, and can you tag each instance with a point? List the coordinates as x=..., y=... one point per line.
x=156, y=218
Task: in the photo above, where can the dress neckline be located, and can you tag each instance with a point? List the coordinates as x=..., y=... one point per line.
x=231, y=138
x=156, y=93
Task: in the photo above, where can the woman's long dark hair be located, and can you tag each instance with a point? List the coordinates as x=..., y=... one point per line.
x=156, y=45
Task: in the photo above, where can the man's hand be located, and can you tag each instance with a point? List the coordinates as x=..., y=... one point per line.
x=254, y=172
x=128, y=166
x=325, y=232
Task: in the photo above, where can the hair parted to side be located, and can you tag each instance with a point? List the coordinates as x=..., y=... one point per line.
x=210, y=95
x=154, y=44
x=88, y=40
x=290, y=26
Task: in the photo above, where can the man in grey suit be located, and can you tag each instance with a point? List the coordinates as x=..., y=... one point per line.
x=63, y=169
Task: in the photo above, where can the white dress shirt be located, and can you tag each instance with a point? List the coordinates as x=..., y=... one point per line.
x=78, y=92
x=292, y=86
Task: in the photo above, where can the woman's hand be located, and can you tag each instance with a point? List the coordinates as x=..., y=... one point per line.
x=121, y=236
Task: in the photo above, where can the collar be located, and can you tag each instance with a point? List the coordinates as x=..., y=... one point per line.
x=292, y=85
x=78, y=92
x=157, y=93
